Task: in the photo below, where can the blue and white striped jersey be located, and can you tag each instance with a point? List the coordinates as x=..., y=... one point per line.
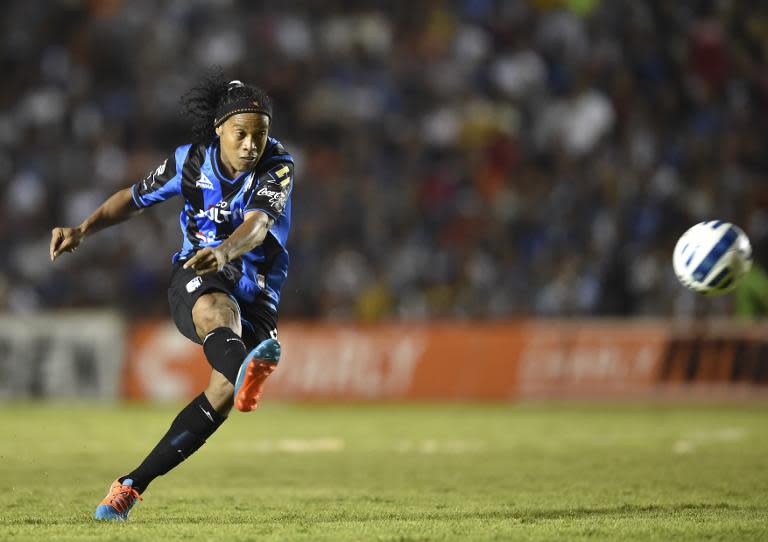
x=215, y=206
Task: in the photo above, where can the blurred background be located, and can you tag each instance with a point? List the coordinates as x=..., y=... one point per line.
x=460, y=161
x=486, y=201
x=456, y=159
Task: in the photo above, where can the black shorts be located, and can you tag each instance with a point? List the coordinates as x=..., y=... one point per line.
x=258, y=319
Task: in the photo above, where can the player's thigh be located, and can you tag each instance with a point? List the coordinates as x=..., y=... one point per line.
x=213, y=310
x=185, y=289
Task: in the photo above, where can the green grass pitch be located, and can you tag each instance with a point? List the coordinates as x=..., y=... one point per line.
x=565, y=471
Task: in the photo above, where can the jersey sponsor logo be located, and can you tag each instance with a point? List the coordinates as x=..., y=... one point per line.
x=276, y=197
x=216, y=213
x=205, y=237
x=264, y=191
x=280, y=173
x=194, y=284
x=283, y=172
x=204, y=182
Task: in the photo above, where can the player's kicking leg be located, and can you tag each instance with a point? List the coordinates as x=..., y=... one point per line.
x=226, y=352
x=217, y=322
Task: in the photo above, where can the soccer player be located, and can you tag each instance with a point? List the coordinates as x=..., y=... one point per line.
x=225, y=282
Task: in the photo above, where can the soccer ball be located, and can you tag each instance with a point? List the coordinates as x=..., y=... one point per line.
x=711, y=257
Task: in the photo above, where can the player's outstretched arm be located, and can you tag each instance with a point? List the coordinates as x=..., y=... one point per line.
x=246, y=237
x=117, y=208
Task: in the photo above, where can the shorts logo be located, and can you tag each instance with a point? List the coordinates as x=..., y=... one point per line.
x=204, y=182
x=194, y=284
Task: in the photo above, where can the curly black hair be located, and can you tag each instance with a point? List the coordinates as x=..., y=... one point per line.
x=201, y=102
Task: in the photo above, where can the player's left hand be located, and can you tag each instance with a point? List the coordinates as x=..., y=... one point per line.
x=207, y=260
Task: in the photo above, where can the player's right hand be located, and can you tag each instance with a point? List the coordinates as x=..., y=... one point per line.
x=65, y=240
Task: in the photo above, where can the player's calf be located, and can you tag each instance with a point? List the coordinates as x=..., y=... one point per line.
x=225, y=351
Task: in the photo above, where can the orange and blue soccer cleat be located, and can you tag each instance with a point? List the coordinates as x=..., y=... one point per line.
x=118, y=502
x=258, y=365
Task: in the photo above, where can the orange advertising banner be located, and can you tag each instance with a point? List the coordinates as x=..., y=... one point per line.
x=588, y=359
x=331, y=361
x=477, y=361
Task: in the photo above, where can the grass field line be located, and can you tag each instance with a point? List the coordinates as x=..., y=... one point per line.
x=292, y=445
x=433, y=446
x=334, y=444
x=689, y=442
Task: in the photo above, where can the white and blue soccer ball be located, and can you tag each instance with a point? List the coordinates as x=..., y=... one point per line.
x=712, y=257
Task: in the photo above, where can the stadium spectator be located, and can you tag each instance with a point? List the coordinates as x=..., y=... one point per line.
x=458, y=159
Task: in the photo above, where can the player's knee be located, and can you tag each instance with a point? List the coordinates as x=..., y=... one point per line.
x=215, y=310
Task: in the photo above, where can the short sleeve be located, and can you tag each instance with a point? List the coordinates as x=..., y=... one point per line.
x=271, y=192
x=160, y=184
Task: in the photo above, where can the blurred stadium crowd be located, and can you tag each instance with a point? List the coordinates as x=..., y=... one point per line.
x=457, y=159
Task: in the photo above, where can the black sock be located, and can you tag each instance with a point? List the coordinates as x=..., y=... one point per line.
x=225, y=352
x=192, y=426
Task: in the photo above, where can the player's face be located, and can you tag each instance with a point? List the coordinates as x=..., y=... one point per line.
x=243, y=138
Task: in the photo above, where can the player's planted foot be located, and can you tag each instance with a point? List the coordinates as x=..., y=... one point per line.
x=258, y=365
x=118, y=502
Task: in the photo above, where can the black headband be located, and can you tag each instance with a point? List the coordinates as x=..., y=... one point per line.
x=243, y=105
